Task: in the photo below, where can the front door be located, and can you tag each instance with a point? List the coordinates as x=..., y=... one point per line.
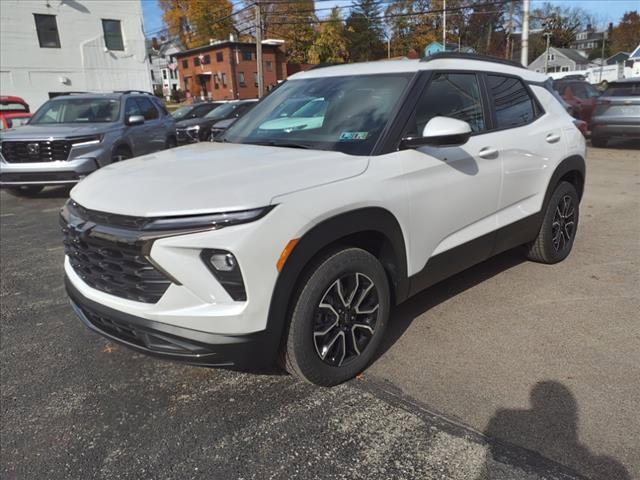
x=453, y=191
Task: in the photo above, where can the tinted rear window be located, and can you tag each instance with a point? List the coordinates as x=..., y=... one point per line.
x=623, y=90
x=511, y=100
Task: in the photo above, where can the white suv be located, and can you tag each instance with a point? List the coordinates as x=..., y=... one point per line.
x=292, y=237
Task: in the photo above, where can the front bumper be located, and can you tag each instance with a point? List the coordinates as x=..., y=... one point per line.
x=185, y=137
x=46, y=173
x=609, y=130
x=170, y=342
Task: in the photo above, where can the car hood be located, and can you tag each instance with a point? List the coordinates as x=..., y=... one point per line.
x=210, y=177
x=61, y=130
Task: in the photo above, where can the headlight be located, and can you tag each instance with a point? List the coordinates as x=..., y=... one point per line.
x=83, y=141
x=214, y=220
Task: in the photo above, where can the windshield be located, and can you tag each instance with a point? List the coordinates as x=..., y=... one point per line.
x=345, y=114
x=78, y=110
x=181, y=112
x=222, y=111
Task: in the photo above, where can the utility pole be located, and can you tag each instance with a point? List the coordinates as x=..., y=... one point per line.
x=524, y=51
x=546, y=57
x=259, y=48
x=604, y=39
x=444, y=25
x=509, y=31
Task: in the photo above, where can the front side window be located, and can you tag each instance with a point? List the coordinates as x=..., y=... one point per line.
x=131, y=107
x=148, y=110
x=112, y=34
x=77, y=110
x=453, y=95
x=343, y=114
x=47, y=29
x=512, y=103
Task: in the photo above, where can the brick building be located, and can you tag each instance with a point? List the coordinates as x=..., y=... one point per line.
x=228, y=70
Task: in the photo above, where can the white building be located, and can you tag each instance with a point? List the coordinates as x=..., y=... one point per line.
x=49, y=47
x=165, y=75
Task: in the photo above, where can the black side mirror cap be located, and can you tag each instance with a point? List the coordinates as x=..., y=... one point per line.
x=439, y=141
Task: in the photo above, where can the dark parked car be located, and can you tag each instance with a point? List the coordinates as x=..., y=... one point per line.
x=581, y=95
x=617, y=112
x=197, y=110
x=199, y=129
x=14, y=112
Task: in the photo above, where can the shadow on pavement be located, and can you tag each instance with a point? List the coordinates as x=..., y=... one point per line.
x=403, y=315
x=550, y=428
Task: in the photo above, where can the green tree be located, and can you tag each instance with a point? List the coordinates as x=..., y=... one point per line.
x=330, y=44
x=194, y=22
x=364, y=32
x=625, y=36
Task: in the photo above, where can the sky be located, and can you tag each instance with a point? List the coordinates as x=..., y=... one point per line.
x=605, y=10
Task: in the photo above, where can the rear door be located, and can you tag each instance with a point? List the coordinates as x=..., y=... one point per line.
x=530, y=143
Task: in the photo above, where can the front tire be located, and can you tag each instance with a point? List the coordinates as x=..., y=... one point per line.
x=559, y=226
x=25, y=190
x=338, y=319
x=121, y=153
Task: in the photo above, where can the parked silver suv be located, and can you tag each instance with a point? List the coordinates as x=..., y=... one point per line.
x=70, y=136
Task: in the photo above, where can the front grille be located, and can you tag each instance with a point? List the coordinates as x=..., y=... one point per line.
x=112, y=263
x=36, y=151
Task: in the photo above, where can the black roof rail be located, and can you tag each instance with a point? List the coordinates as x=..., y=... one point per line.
x=126, y=92
x=62, y=94
x=471, y=56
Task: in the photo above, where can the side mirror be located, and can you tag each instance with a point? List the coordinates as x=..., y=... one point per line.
x=440, y=132
x=134, y=120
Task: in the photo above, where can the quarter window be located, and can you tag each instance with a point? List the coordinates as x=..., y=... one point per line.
x=453, y=95
x=47, y=29
x=512, y=103
x=112, y=34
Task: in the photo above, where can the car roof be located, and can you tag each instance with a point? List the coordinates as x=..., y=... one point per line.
x=624, y=81
x=410, y=65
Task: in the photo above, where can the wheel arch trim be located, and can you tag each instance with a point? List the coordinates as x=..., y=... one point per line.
x=321, y=236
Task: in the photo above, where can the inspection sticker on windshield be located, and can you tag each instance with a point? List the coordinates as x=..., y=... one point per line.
x=347, y=136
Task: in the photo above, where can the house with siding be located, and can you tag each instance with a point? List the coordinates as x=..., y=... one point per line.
x=560, y=60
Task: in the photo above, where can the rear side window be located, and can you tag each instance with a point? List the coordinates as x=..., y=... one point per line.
x=512, y=103
x=623, y=90
x=147, y=108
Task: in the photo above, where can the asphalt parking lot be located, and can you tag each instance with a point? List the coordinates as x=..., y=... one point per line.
x=511, y=370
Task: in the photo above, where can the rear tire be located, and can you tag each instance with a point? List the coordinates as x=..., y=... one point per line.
x=338, y=319
x=559, y=226
x=599, y=142
x=25, y=190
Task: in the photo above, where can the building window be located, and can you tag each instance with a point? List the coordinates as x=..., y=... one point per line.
x=196, y=61
x=164, y=74
x=246, y=55
x=153, y=77
x=47, y=31
x=112, y=34
x=552, y=56
x=219, y=57
x=564, y=69
x=255, y=78
x=224, y=79
x=241, y=79
x=269, y=65
x=216, y=85
x=206, y=60
x=185, y=63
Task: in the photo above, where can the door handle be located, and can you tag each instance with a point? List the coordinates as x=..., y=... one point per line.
x=488, y=152
x=553, y=138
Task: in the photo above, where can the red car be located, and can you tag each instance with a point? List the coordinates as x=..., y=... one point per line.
x=14, y=112
x=581, y=95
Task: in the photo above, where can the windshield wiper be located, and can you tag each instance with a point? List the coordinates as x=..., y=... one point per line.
x=274, y=143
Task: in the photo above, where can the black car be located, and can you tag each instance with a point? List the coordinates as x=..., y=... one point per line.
x=199, y=129
x=197, y=110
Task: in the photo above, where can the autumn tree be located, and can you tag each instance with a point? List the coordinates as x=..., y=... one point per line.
x=364, y=32
x=293, y=22
x=330, y=45
x=625, y=36
x=194, y=22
